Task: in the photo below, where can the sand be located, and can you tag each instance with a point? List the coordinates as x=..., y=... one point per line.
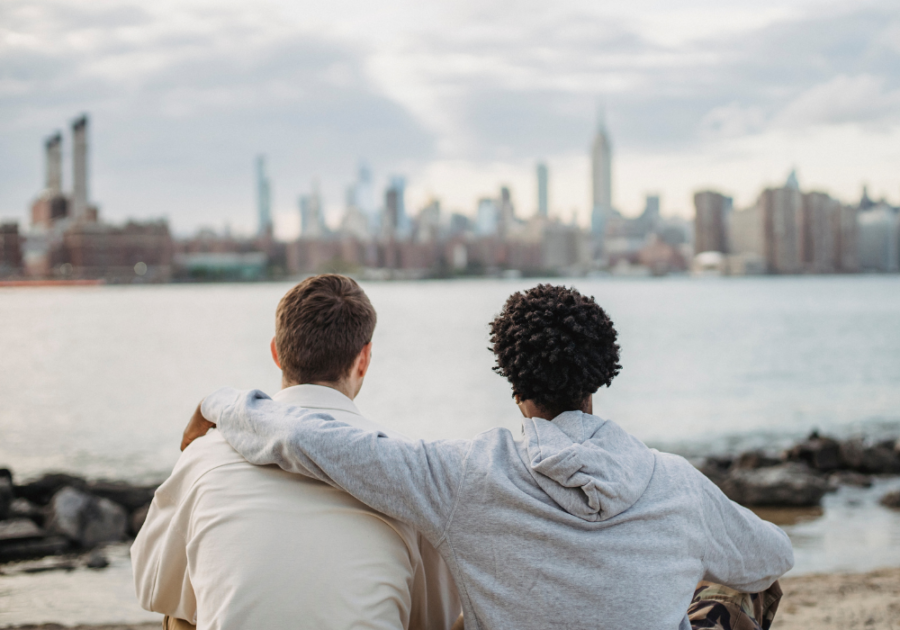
x=867, y=601
x=841, y=601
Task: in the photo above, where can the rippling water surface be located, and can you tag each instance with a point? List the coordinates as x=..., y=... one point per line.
x=100, y=381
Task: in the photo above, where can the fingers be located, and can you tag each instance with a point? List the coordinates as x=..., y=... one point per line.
x=197, y=427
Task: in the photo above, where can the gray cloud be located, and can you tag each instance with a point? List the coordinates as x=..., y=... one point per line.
x=181, y=106
x=539, y=89
x=177, y=120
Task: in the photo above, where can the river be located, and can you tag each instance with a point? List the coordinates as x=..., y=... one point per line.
x=100, y=381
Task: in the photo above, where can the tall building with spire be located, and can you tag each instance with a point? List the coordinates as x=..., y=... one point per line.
x=601, y=178
x=263, y=198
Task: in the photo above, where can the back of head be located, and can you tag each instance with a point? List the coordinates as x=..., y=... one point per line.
x=555, y=346
x=321, y=325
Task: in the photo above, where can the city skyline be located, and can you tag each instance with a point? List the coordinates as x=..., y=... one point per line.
x=697, y=96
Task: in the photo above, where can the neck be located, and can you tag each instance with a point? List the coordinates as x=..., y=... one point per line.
x=345, y=387
x=531, y=410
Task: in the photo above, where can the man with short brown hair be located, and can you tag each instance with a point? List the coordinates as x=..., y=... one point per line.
x=230, y=545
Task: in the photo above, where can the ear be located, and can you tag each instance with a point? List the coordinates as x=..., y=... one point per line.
x=275, y=353
x=363, y=360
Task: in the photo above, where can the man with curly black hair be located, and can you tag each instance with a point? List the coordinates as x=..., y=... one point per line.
x=573, y=524
x=556, y=347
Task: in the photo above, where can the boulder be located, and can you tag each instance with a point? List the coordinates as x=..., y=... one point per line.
x=19, y=529
x=819, y=453
x=755, y=459
x=785, y=485
x=23, y=508
x=33, y=548
x=871, y=459
x=848, y=478
x=137, y=519
x=891, y=500
x=716, y=468
x=97, y=560
x=128, y=496
x=42, y=490
x=6, y=496
x=85, y=519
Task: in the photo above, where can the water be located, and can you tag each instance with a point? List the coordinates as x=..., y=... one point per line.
x=101, y=381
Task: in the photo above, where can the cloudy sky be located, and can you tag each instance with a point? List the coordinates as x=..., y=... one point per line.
x=460, y=97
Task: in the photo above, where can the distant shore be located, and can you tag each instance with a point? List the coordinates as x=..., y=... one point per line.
x=830, y=601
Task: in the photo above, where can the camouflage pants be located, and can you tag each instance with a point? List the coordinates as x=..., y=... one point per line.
x=721, y=608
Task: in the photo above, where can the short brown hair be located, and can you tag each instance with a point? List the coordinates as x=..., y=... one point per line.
x=321, y=325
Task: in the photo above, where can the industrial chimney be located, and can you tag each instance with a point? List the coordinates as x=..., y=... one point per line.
x=80, y=168
x=53, y=148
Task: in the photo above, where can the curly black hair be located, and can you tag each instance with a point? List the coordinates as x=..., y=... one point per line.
x=555, y=346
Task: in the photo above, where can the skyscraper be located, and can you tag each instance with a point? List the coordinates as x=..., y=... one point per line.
x=263, y=197
x=711, y=222
x=312, y=221
x=507, y=212
x=395, y=223
x=543, y=199
x=487, y=218
x=601, y=178
x=79, y=168
x=364, y=192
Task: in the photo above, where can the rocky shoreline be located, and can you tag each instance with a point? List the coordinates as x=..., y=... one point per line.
x=61, y=514
x=801, y=475
x=64, y=515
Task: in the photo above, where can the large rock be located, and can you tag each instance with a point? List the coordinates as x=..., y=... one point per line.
x=42, y=490
x=85, y=519
x=23, y=508
x=6, y=496
x=791, y=484
x=137, y=519
x=128, y=496
x=20, y=538
x=755, y=459
x=716, y=468
x=872, y=459
x=33, y=548
x=819, y=453
x=849, y=478
x=891, y=500
x=18, y=529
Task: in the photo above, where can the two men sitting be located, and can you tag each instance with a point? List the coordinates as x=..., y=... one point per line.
x=572, y=524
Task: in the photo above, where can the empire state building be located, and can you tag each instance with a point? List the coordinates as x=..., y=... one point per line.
x=601, y=178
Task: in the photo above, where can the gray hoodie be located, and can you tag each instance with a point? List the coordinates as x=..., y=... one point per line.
x=576, y=524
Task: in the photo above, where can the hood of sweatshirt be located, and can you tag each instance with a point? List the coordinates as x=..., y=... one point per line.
x=589, y=466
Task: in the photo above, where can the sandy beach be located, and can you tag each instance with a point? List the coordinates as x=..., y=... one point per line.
x=839, y=601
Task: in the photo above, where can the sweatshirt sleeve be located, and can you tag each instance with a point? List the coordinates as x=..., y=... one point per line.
x=416, y=482
x=743, y=551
